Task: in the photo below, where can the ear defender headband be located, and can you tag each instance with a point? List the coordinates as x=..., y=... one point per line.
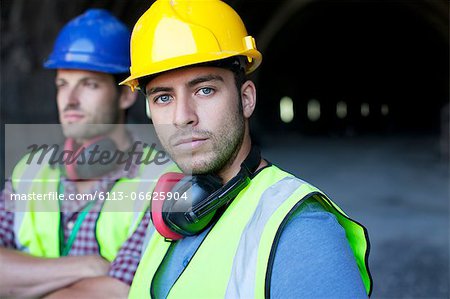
x=195, y=200
x=84, y=163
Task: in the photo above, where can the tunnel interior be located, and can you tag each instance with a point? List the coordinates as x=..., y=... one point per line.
x=352, y=68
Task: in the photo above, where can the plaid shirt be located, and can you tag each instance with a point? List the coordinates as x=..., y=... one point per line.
x=127, y=260
x=125, y=264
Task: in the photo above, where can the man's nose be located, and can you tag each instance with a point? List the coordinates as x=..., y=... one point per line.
x=185, y=113
x=73, y=98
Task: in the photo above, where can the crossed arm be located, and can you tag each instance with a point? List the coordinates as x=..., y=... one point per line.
x=121, y=272
x=24, y=275
x=97, y=287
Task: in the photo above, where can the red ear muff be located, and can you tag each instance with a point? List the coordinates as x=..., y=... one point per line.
x=193, y=191
x=165, y=184
x=197, y=200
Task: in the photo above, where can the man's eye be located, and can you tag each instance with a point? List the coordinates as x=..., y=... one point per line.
x=163, y=99
x=60, y=85
x=205, y=91
x=91, y=84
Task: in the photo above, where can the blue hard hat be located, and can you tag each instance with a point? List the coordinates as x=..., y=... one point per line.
x=93, y=41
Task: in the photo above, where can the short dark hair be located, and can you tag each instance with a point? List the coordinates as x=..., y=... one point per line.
x=235, y=64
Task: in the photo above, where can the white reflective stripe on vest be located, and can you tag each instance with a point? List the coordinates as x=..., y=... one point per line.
x=242, y=280
x=23, y=186
x=150, y=230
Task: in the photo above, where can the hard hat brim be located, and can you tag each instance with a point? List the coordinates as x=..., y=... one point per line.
x=191, y=60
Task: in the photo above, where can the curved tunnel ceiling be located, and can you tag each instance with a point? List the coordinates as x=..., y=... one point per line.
x=386, y=63
x=390, y=55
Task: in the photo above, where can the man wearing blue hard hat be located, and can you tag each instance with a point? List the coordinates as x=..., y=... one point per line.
x=78, y=249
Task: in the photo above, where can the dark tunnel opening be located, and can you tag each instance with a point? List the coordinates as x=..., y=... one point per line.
x=354, y=68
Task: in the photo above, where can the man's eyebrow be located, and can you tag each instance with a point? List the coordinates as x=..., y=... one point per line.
x=205, y=78
x=83, y=79
x=191, y=83
x=158, y=89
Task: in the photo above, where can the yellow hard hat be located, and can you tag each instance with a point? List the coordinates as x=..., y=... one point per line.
x=177, y=33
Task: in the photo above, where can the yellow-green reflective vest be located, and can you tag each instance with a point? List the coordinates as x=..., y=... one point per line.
x=37, y=223
x=235, y=258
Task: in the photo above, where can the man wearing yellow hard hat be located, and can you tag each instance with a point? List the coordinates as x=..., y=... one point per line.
x=236, y=225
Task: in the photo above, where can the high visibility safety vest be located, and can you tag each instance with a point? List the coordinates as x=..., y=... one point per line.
x=37, y=223
x=236, y=257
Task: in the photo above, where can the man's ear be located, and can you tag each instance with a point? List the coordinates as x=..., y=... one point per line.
x=127, y=97
x=248, y=96
x=147, y=109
